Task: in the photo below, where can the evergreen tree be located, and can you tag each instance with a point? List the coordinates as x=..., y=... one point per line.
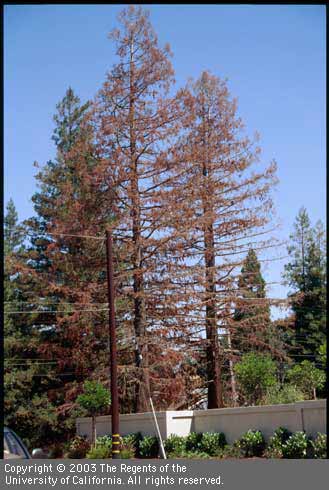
x=306, y=275
x=252, y=312
x=68, y=270
x=26, y=406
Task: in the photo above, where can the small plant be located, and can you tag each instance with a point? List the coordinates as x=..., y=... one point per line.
x=192, y=441
x=319, y=446
x=285, y=394
x=276, y=442
x=149, y=447
x=296, y=446
x=102, y=448
x=212, y=442
x=78, y=448
x=175, y=445
x=95, y=398
x=98, y=452
x=251, y=444
x=104, y=441
x=132, y=441
x=128, y=446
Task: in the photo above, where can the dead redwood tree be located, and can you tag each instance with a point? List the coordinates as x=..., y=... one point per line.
x=135, y=122
x=222, y=206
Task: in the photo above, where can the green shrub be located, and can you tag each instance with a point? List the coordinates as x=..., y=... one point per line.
x=174, y=445
x=255, y=373
x=276, y=442
x=296, y=446
x=149, y=447
x=98, y=452
x=307, y=377
x=212, y=442
x=192, y=441
x=286, y=394
x=128, y=447
x=132, y=441
x=78, y=448
x=104, y=441
x=319, y=446
x=127, y=452
x=252, y=443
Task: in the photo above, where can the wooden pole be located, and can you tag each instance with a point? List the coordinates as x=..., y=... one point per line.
x=113, y=351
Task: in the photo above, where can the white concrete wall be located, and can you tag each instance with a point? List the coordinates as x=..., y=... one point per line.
x=129, y=423
x=308, y=415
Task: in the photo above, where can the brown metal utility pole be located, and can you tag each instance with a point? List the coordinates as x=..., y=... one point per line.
x=113, y=351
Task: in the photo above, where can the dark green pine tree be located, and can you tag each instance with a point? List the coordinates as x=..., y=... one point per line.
x=26, y=406
x=251, y=323
x=306, y=275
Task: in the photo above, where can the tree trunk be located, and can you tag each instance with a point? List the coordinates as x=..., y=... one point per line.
x=93, y=431
x=214, y=360
x=142, y=391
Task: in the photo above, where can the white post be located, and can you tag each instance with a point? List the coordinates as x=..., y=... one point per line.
x=158, y=430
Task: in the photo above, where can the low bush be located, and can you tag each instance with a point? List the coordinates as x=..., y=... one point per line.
x=276, y=442
x=285, y=394
x=149, y=447
x=175, y=445
x=78, y=448
x=98, y=452
x=132, y=440
x=296, y=446
x=251, y=444
x=129, y=446
x=102, y=449
x=192, y=441
x=104, y=441
x=212, y=442
x=319, y=446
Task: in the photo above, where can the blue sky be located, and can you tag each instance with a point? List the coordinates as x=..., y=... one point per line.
x=273, y=57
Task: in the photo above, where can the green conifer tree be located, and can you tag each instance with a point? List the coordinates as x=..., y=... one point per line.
x=305, y=273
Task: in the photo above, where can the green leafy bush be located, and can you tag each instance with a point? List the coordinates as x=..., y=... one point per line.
x=296, y=446
x=307, y=378
x=251, y=444
x=78, y=448
x=149, y=447
x=276, y=442
x=104, y=441
x=132, y=441
x=98, y=452
x=175, y=445
x=129, y=445
x=255, y=373
x=192, y=441
x=288, y=393
x=212, y=442
x=319, y=446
